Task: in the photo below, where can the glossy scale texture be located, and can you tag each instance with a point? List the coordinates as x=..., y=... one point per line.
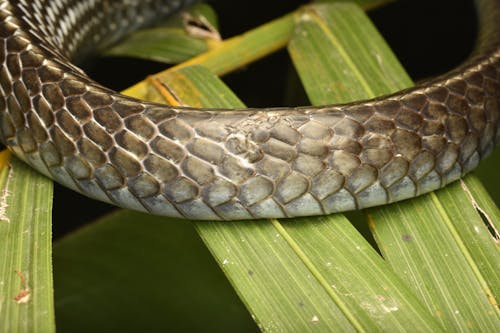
x=230, y=164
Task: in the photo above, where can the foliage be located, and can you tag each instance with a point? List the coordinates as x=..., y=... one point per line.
x=130, y=271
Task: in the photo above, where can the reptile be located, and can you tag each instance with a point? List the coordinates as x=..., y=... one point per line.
x=237, y=164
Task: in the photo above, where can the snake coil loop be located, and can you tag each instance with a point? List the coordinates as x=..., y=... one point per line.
x=230, y=164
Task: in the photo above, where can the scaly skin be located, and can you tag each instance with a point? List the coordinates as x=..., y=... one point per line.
x=230, y=164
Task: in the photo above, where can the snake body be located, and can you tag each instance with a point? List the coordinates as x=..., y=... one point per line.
x=230, y=164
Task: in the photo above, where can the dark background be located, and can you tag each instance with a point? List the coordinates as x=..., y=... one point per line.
x=428, y=36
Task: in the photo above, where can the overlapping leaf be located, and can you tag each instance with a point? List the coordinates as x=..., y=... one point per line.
x=26, y=295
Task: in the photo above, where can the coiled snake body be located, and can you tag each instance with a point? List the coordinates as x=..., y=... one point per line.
x=230, y=164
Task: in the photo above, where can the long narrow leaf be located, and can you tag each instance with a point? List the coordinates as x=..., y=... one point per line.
x=361, y=66
x=226, y=241
x=236, y=52
x=134, y=272
x=26, y=295
x=312, y=257
x=262, y=265
x=172, y=42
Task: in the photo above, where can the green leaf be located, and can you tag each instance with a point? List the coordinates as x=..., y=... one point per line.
x=240, y=50
x=434, y=231
x=26, y=294
x=200, y=11
x=133, y=272
x=311, y=274
x=170, y=43
x=313, y=268
x=487, y=173
x=421, y=243
x=365, y=4
x=473, y=222
x=340, y=57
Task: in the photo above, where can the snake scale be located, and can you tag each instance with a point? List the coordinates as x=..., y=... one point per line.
x=230, y=164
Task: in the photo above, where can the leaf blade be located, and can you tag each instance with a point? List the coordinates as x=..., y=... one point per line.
x=26, y=294
x=272, y=258
x=170, y=42
x=131, y=272
x=290, y=260
x=386, y=75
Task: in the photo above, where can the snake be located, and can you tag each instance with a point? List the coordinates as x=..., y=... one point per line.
x=230, y=164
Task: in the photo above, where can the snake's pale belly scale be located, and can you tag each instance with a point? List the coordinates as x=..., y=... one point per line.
x=230, y=164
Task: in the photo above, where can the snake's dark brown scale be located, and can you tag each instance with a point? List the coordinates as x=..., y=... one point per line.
x=237, y=164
